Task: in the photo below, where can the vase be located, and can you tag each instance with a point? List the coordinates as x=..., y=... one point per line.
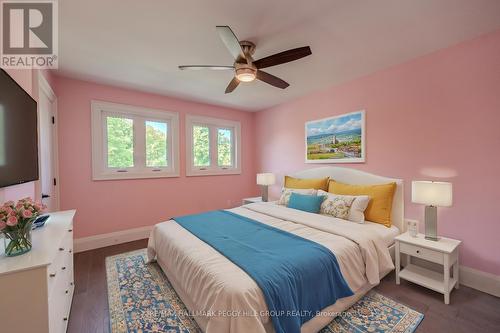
x=17, y=242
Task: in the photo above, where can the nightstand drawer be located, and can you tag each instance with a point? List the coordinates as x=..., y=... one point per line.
x=421, y=252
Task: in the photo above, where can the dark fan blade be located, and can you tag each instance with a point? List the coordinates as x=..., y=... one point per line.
x=232, y=85
x=198, y=67
x=271, y=79
x=283, y=57
x=229, y=38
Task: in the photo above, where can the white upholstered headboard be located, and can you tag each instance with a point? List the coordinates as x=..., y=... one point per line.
x=357, y=177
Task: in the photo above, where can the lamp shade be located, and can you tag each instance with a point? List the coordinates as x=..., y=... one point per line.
x=265, y=179
x=432, y=193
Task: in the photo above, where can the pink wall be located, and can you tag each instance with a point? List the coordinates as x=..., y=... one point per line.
x=113, y=205
x=436, y=117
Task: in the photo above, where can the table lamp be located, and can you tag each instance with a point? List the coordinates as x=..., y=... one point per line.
x=431, y=194
x=264, y=180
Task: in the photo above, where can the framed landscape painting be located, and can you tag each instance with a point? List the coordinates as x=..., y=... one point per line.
x=339, y=139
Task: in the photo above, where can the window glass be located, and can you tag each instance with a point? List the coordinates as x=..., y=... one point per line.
x=120, y=134
x=224, y=147
x=156, y=144
x=201, y=146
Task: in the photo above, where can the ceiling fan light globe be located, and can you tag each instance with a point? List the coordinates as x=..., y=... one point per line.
x=245, y=74
x=246, y=77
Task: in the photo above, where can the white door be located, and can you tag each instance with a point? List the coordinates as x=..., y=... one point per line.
x=47, y=146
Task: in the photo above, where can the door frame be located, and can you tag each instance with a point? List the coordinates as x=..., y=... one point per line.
x=45, y=89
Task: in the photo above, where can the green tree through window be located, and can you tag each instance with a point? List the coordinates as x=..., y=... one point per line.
x=156, y=144
x=201, y=146
x=120, y=133
x=224, y=147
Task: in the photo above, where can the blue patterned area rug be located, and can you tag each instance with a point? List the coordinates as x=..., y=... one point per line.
x=142, y=300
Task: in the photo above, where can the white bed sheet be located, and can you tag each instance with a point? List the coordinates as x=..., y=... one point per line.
x=209, y=283
x=385, y=233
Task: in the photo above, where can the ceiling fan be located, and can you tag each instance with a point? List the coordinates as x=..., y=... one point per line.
x=245, y=68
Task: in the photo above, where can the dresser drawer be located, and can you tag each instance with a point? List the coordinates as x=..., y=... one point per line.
x=59, y=306
x=60, y=299
x=62, y=264
x=421, y=252
x=56, y=313
x=68, y=298
x=63, y=274
x=54, y=271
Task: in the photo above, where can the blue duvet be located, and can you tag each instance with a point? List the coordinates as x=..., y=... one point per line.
x=298, y=277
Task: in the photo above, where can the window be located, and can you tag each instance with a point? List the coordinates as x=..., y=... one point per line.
x=213, y=146
x=133, y=142
x=201, y=146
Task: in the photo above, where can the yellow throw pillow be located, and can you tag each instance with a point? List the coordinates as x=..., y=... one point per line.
x=381, y=196
x=315, y=183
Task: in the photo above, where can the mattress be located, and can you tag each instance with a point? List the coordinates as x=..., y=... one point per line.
x=224, y=299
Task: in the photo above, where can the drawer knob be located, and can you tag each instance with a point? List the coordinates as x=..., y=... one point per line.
x=63, y=268
x=52, y=274
x=418, y=251
x=65, y=318
x=70, y=251
x=70, y=230
x=67, y=291
x=61, y=249
x=71, y=283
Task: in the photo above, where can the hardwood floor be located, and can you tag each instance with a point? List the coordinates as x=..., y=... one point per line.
x=470, y=310
x=89, y=311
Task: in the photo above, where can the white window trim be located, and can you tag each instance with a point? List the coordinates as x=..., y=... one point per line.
x=214, y=169
x=100, y=171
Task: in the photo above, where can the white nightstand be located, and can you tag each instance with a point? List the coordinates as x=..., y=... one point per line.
x=252, y=200
x=443, y=252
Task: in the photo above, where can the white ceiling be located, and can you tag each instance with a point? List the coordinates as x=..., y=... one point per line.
x=139, y=44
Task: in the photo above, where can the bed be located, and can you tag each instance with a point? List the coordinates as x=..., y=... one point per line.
x=224, y=298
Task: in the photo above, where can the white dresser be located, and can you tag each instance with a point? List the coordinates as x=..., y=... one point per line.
x=36, y=288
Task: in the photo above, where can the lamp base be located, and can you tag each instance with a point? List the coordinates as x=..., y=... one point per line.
x=265, y=197
x=431, y=223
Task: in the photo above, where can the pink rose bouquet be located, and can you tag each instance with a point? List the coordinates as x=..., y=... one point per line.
x=16, y=220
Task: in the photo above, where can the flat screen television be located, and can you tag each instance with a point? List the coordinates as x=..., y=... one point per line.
x=18, y=133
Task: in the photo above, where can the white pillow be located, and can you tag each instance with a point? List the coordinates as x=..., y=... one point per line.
x=334, y=202
x=287, y=192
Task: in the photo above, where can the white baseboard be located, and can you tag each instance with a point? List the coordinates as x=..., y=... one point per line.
x=485, y=282
x=118, y=237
